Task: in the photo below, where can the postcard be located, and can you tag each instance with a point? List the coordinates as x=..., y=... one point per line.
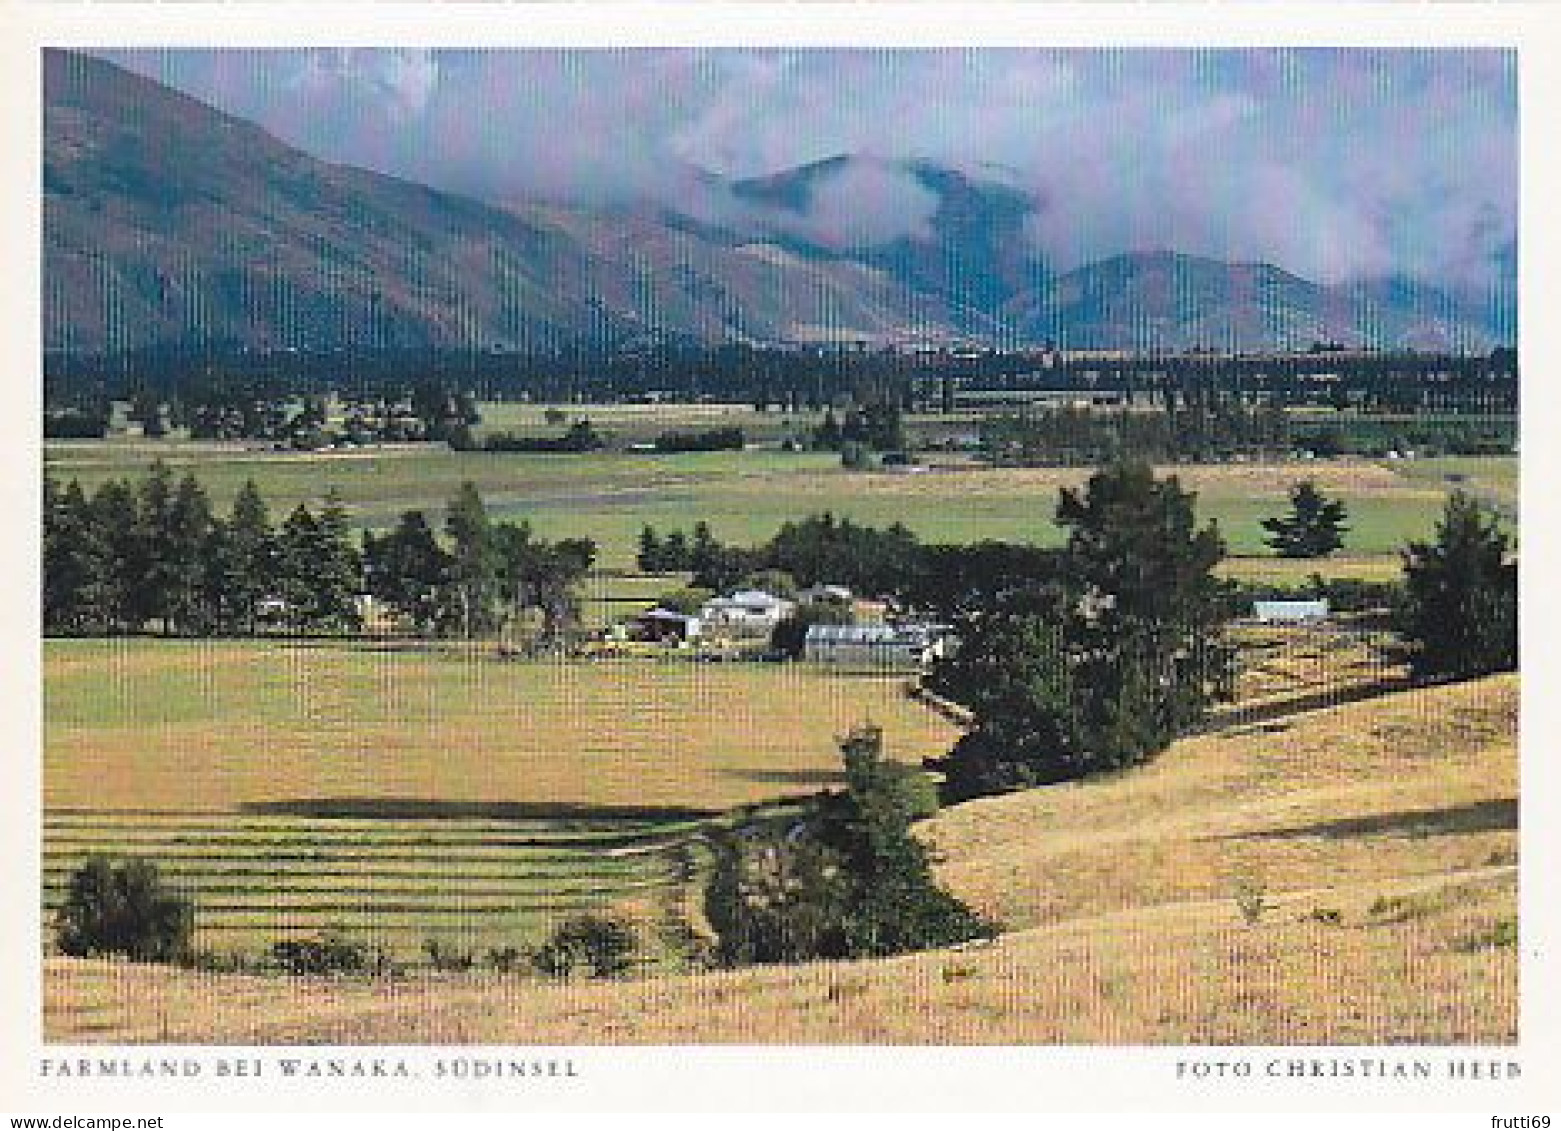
x=779, y=557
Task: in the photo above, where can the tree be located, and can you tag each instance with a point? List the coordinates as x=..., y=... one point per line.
x=848, y=879
x=112, y=516
x=789, y=637
x=184, y=557
x=338, y=573
x=652, y=555
x=252, y=570
x=409, y=571
x=827, y=435
x=1461, y=608
x=1102, y=665
x=151, y=595
x=77, y=586
x=123, y=909
x=676, y=554
x=296, y=545
x=1314, y=528
x=1015, y=673
x=146, y=407
x=471, y=559
x=564, y=564
x=533, y=574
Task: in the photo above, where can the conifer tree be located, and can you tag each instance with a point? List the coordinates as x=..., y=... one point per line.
x=1313, y=528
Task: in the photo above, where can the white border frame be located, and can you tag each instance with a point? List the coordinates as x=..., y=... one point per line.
x=715, y=1078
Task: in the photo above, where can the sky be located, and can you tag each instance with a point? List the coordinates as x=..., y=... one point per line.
x=1336, y=164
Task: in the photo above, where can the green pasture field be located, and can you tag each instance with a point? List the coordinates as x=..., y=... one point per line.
x=1495, y=474
x=746, y=496
x=642, y=423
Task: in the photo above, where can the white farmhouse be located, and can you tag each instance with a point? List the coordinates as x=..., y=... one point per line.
x=748, y=612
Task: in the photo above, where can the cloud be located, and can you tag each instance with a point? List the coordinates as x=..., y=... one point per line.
x=1332, y=163
x=401, y=82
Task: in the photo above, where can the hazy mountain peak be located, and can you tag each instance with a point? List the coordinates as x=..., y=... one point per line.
x=168, y=222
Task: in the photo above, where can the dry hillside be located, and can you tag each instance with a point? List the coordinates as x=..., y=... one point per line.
x=1373, y=845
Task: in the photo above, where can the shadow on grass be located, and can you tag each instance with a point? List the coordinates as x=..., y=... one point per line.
x=1475, y=817
x=417, y=808
x=790, y=777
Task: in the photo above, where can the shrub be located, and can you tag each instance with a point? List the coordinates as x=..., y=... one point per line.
x=328, y=953
x=446, y=959
x=124, y=909
x=1503, y=934
x=217, y=961
x=1251, y=901
x=605, y=944
x=504, y=960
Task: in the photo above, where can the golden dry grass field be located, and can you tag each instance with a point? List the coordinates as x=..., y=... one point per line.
x=1373, y=847
x=199, y=726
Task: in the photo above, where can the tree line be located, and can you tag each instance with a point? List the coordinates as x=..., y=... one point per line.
x=797, y=378
x=821, y=549
x=153, y=555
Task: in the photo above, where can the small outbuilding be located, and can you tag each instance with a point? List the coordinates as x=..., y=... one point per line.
x=1289, y=612
x=663, y=626
x=881, y=645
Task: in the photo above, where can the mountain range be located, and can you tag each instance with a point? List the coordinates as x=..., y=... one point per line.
x=167, y=222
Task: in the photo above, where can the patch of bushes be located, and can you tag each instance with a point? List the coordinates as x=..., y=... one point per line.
x=504, y=960
x=604, y=945
x=220, y=962
x=328, y=953
x=711, y=440
x=446, y=959
x=580, y=437
x=1332, y=916
x=124, y=908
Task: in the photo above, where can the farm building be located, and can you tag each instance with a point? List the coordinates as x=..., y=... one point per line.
x=1287, y=612
x=880, y=644
x=815, y=593
x=663, y=626
x=748, y=611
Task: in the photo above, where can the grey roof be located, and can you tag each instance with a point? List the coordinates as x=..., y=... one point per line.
x=864, y=634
